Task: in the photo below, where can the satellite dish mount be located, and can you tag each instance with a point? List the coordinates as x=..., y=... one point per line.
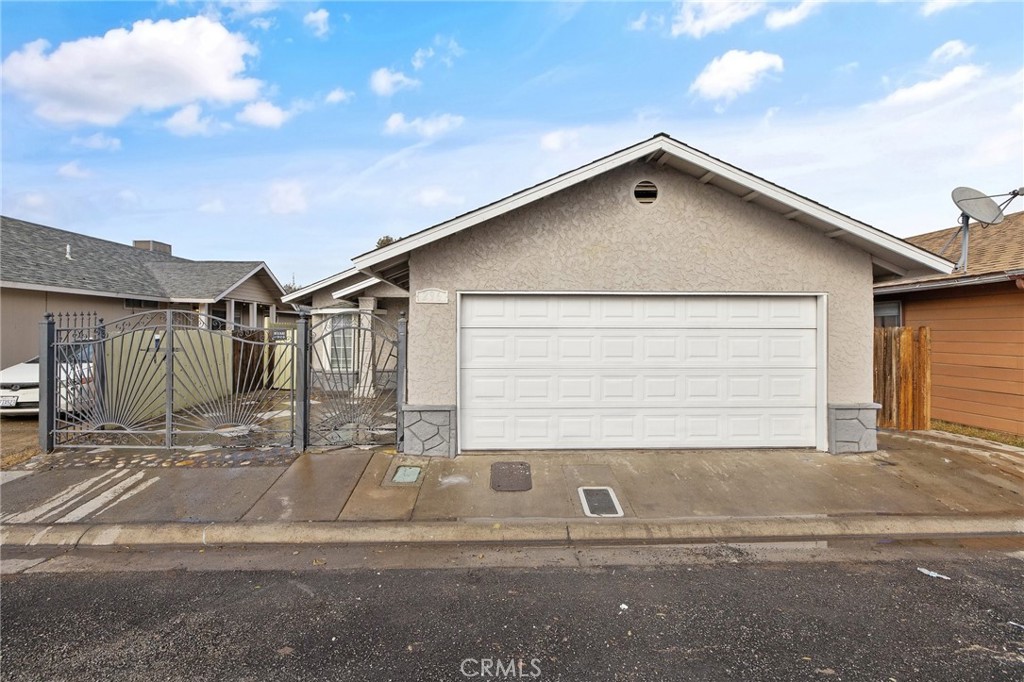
x=983, y=208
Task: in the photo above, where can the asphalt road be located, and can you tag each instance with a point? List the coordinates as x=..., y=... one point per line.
x=751, y=620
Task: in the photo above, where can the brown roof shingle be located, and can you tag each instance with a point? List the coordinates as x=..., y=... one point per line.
x=992, y=249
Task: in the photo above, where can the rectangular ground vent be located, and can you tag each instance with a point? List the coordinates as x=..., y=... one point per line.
x=599, y=501
x=508, y=477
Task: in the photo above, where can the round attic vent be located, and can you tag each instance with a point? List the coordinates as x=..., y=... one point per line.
x=645, y=192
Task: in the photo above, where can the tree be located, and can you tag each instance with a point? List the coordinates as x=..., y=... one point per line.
x=384, y=241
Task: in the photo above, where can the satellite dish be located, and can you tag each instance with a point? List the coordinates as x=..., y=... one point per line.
x=981, y=207
x=978, y=205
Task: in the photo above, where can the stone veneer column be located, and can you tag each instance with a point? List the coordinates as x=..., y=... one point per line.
x=852, y=428
x=429, y=430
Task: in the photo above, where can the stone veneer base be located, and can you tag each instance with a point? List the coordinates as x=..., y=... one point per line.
x=429, y=430
x=853, y=428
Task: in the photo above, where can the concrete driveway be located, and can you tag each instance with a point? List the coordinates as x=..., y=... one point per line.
x=909, y=476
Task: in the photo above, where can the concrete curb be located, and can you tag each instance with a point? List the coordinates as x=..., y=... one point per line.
x=574, y=532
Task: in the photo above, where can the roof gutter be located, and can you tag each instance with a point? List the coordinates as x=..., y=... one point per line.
x=1009, y=275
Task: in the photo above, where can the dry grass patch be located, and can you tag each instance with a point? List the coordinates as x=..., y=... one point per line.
x=975, y=432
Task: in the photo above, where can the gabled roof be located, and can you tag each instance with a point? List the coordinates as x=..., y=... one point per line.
x=298, y=295
x=37, y=257
x=994, y=253
x=890, y=255
x=203, y=281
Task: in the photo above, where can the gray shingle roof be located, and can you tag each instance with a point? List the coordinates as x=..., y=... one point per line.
x=200, y=279
x=37, y=255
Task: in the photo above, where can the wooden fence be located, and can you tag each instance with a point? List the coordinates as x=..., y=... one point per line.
x=903, y=377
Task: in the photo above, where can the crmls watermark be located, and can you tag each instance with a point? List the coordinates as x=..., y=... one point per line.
x=500, y=668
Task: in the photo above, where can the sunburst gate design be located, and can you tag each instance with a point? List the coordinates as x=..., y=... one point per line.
x=174, y=379
x=353, y=371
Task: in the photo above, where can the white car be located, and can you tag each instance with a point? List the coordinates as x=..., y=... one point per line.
x=19, y=388
x=19, y=384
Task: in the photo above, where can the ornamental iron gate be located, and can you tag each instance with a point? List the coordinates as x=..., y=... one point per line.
x=353, y=380
x=168, y=378
x=179, y=379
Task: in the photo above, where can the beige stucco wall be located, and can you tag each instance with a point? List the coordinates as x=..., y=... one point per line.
x=22, y=310
x=595, y=237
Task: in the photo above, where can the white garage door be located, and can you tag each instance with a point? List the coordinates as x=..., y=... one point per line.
x=637, y=371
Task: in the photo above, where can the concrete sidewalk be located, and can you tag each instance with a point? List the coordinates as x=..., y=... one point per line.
x=921, y=484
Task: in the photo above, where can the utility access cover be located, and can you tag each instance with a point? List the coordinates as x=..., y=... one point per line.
x=599, y=501
x=510, y=477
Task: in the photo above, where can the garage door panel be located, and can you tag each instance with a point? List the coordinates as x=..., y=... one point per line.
x=587, y=428
x=638, y=348
x=598, y=371
x=628, y=389
x=647, y=311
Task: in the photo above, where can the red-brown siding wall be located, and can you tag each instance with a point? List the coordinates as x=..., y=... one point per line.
x=977, y=353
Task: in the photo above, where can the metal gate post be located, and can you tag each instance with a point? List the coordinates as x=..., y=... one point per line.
x=47, y=382
x=403, y=332
x=168, y=345
x=99, y=360
x=302, y=382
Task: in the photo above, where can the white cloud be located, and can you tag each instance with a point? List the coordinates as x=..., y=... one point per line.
x=930, y=7
x=150, y=67
x=437, y=196
x=319, y=21
x=262, y=23
x=386, y=82
x=264, y=114
x=286, y=197
x=31, y=206
x=698, y=18
x=97, y=141
x=557, y=140
x=734, y=73
x=420, y=57
x=338, y=95
x=848, y=67
x=446, y=49
x=128, y=197
x=74, y=171
x=450, y=50
x=212, y=206
x=950, y=50
x=783, y=18
x=638, y=24
x=930, y=91
x=247, y=8
x=189, y=121
x=424, y=127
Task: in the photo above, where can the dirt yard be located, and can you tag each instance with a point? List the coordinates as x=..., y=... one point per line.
x=19, y=440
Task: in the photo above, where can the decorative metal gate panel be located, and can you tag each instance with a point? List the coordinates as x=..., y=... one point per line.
x=353, y=380
x=166, y=378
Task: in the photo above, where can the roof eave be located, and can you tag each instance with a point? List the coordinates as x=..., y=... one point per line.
x=894, y=255
x=948, y=283
x=320, y=284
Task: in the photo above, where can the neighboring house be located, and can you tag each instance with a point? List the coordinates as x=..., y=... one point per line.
x=977, y=324
x=43, y=269
x=333, y=335
x=655, y=298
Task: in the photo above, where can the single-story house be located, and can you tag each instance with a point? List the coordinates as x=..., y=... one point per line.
x=976, y=319
x=654, y=298
x=44, y=269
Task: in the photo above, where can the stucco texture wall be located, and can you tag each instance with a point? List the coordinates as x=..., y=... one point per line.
x=596, y=237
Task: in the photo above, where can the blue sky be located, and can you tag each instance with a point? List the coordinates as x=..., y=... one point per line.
x=299, y=132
